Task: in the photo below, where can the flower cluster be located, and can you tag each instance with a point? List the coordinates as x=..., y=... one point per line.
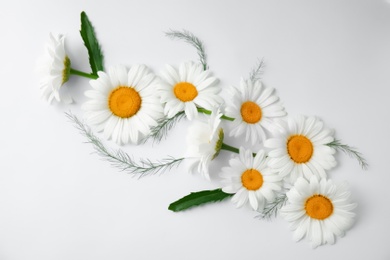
x=130, y=105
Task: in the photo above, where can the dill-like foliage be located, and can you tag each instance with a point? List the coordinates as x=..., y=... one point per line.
x=164, y=125
x=257, y=71
x=350, y=151
x=192, y=40
x=272, y=208
x=120, y=159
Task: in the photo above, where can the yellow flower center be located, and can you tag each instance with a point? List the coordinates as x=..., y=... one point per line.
x=318, y=207
x=219, y=143
x=124, y=101
x=252, y=179
x=251, y=112
x=185, y=91
x=66, y=70
x=299, y=148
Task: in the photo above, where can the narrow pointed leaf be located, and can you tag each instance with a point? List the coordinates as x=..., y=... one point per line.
x=94, y=51
x=198, y=198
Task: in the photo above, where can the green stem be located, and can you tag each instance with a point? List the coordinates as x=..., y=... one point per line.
x=83, y=74
x=208, y=112
x=229, y=148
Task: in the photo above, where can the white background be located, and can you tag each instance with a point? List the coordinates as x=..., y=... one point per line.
x=59, y=201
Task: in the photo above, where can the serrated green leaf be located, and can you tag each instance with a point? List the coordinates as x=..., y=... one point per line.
x=198, y=198
x=94, y=51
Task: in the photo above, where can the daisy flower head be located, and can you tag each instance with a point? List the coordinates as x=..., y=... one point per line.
x=250, y=180
x=302, y=150
x=255, y=108
x=54, y=68
x=188, y=88
x=319, y=210
x=204, y=142
x=123, y=103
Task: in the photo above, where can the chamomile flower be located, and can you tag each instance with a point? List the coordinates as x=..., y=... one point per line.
x=302, y=150
x=319, y=210
x=188, y=88
x=204, y=141
x=250, y=180
x=254, y=108
x=54, y=68
x=123, y=103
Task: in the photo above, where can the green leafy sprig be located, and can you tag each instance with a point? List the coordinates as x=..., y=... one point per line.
x=164, y=125
x=94, y=51
x=257, y=71
x=192, y=40
x=272, y=208
x=350, y=151
x=198, y=198
x=121, y=159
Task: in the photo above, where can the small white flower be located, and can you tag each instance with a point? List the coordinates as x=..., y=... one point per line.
x=250, y=180
x=302, y=150
x=254, y=108
x=54, y=68
x=319, y=210
x=188, y=88
x=204, y=141
x=123, y=103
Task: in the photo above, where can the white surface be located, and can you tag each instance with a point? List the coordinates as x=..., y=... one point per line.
x=59, y=201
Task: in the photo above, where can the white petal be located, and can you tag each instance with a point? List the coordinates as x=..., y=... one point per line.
x=302, y=229
x=240, y=198
x=316, y=233
x=190, y=110
x=253, y=200
x=275, y=143
x=110, y=126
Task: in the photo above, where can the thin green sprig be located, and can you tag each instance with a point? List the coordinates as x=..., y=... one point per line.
x=192, y=40
x=164, y=125
x=257, y=71
x=272, y=208
x=350, y=151
x=121, y=159
x=160, y=131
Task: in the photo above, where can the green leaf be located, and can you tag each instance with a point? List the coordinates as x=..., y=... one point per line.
x=95, y=54
x=198, y=198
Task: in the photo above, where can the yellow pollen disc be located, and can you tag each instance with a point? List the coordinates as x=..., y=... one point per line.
x=318, y=207
x=299, y=148
x=185, y=91
x=66, y=70
x=124, y=102
x=252, y=179
x=251, y=112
